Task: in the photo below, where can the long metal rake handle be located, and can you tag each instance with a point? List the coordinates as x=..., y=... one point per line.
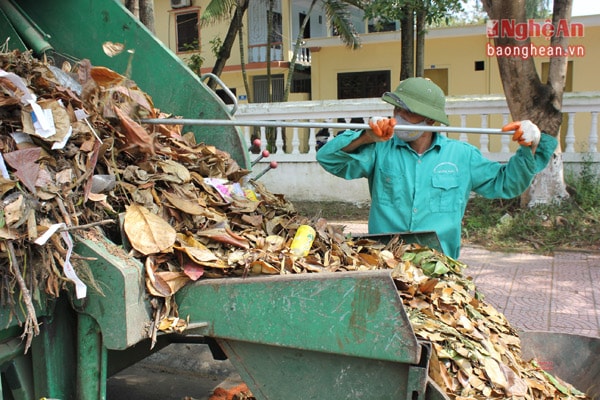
x=332, y=125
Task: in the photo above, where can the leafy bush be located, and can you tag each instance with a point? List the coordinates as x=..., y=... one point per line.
x=572, y=224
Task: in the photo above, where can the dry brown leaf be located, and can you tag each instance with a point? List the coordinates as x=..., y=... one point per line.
x=175, y=280
x=175, y=169
x=197, y=254
x=6, y=185
x=187, y=206
x=25, y=164
x=147, y=232
x=8, y=234
x=515, y=385
x=262, y=267
x=137, y=138
x=60, y=117
x=156, y=286
x=106, y=77
x=274, y=243
x=494, y=372
x=172, y=324
x=13, y=211
x=419, y=303
x=112, y=49
x=222, y=234
x=368, y=259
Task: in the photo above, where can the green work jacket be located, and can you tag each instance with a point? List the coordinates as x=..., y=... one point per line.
x=429, y=192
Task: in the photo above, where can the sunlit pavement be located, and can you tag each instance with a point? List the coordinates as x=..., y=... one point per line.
x=559, y=293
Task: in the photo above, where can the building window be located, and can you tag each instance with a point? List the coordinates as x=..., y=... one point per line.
x=301, y=82
x=277, y=27
x=188, y=32
x=261, y=88
x=357, y=85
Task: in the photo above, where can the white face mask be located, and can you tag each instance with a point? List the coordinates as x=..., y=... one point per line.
x=408, y=136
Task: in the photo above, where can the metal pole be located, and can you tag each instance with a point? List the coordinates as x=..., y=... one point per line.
x=333, y=125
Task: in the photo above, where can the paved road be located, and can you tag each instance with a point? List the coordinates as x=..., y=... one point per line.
x=179, y=371
x=540, y=293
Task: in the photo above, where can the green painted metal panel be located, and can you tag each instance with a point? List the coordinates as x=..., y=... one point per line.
x=53, y=353
x=15, y=371
x=356, y=314
x=10, y=349
x=122, y=311
x=275, y=373
x=434, y=392
x=91, y=360
x=18, y=378
x=76, y=29
x=573, y=358
x=25, y=28
x=8, y=33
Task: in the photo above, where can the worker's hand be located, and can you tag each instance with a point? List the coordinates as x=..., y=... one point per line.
x=526, y=132
x=382, y=127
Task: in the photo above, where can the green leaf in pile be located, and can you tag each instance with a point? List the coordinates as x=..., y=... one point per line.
x=559, y=386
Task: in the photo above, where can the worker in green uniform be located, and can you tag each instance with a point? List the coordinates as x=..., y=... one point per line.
x=421, y=181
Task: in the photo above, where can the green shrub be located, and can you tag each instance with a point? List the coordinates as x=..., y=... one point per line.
x=572, y=224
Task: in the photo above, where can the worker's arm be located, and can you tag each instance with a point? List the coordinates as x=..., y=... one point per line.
x=496, y=180
x=382, y=129
x=351, y=154
x=348, y=155
x=528, y=135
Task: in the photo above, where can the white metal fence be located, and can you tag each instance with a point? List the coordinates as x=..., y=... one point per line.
x=300, y=177
x=579, y=133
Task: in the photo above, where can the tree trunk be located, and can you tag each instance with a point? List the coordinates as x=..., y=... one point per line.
x=529, y=98
x=271, y=131
x=290, y=77
x=242, y=53
x=548, y=186
x=269, y=43
x=132, y=6
x=407, y=53
x=225, y=50
x=420, y=48
x=147, y=14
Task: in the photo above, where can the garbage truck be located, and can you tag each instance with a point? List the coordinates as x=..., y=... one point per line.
x=313, y=336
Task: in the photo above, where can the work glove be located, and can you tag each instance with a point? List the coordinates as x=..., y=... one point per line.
x=526, y=132
x=382, y=127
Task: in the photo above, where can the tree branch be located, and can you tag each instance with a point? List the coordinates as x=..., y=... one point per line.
x=31, y=327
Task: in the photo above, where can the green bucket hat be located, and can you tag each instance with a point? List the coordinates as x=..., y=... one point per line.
x=420, y=96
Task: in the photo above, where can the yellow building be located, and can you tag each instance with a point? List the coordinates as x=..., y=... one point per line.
x=462, y=60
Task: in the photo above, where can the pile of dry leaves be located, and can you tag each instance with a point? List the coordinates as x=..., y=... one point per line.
x=74, y=157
